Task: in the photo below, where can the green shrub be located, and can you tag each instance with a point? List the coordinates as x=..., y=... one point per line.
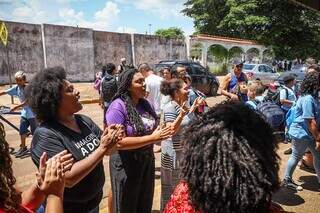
x=221, y=69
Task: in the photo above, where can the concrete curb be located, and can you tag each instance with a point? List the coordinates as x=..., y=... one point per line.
x=89, y=101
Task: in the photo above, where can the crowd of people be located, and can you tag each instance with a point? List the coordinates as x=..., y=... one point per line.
x=218, y=159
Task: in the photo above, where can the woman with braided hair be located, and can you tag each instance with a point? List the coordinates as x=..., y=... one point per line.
x=132, y=167
x=229, y=164
x=49, y=183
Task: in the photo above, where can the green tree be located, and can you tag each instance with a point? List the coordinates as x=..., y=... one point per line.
x=172, y=32
x=290, y=29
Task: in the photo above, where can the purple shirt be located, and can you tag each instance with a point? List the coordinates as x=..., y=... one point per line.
x=117, y=114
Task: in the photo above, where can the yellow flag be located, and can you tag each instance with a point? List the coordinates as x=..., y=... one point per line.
x=3, y=34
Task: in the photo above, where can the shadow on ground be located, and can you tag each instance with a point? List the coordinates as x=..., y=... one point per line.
x=287, y=197
x=309, y=183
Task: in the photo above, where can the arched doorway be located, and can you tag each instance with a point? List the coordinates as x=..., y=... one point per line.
x=252, y=55
x=196, y=52
x=217, y=59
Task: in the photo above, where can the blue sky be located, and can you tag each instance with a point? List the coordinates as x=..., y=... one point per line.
x=130, y=16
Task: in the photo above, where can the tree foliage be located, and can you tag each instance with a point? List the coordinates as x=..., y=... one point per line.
x=290, y=29
x=172, y=32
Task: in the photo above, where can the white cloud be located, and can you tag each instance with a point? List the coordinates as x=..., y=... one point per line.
x=165, y=9
x=70, y=17
x=104, y=19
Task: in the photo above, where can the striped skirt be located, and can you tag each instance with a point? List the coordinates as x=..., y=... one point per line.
x=170, y=170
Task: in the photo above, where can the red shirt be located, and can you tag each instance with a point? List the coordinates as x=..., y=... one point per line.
x=180, y=203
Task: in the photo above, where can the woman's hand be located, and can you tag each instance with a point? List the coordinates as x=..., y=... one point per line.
x=110, y=136
x=66, y=161
x=196, y=104
x=234, y=97
x=184, y=109
x=51, y=176
x=162, y=133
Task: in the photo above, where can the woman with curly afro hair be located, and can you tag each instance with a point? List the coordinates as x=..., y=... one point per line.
x=229, y=164
x=304, y=130
x=56, y=103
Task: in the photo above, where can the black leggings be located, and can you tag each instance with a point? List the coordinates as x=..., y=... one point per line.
x=132, y=181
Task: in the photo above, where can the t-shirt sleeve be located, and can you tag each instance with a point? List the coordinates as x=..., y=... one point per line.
x=45, y=140
x=308, y=109
x=283, y=94
x=115, y=115
x=13, y=91
x=93, y=126
x=170, y=113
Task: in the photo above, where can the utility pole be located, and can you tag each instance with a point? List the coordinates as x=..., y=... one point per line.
x=150, y=29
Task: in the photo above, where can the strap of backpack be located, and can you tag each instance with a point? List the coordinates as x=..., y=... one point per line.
x=287, y=93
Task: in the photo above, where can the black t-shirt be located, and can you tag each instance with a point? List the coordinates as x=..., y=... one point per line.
x=53, y=138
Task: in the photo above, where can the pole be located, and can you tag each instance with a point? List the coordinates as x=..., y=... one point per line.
x=9, y=72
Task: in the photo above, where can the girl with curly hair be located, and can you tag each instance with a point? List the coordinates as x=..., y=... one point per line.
x=49, y=182
x=177, y=115
x=229, y=164
x=304, y=130
x=56, y=103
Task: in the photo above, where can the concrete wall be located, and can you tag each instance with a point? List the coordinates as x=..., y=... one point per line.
x=71, y=48
x=23, y=52
x=82, y=52
x=152, y=49
x=111, y=47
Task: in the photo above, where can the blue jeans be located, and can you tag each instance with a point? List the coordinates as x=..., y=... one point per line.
x=298, y=150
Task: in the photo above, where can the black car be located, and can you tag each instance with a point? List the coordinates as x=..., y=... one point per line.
x=202, y=79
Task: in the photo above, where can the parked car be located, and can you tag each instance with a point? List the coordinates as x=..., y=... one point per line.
x=299, y=68
x=261, y=72
x=202, y=79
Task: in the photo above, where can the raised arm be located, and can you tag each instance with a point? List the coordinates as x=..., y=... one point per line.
x=223, y=89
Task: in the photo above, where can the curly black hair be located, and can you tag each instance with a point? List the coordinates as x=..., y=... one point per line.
x=44, y=92
x=230, y=162
x=124, y=83
x=10, y=198
x=310, y=84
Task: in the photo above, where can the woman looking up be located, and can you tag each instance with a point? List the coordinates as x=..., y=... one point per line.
x=132, y=167
x=55, y=102
x=174, y=117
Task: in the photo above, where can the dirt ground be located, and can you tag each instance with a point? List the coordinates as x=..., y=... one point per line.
x=24, y=170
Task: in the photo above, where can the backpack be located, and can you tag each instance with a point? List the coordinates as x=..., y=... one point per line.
x=272, y=113
x=109, y=87
x=275, y=96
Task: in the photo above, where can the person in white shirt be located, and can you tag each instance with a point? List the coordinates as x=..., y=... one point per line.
x=287, y=96
x=152, y=87
x=153, y=94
